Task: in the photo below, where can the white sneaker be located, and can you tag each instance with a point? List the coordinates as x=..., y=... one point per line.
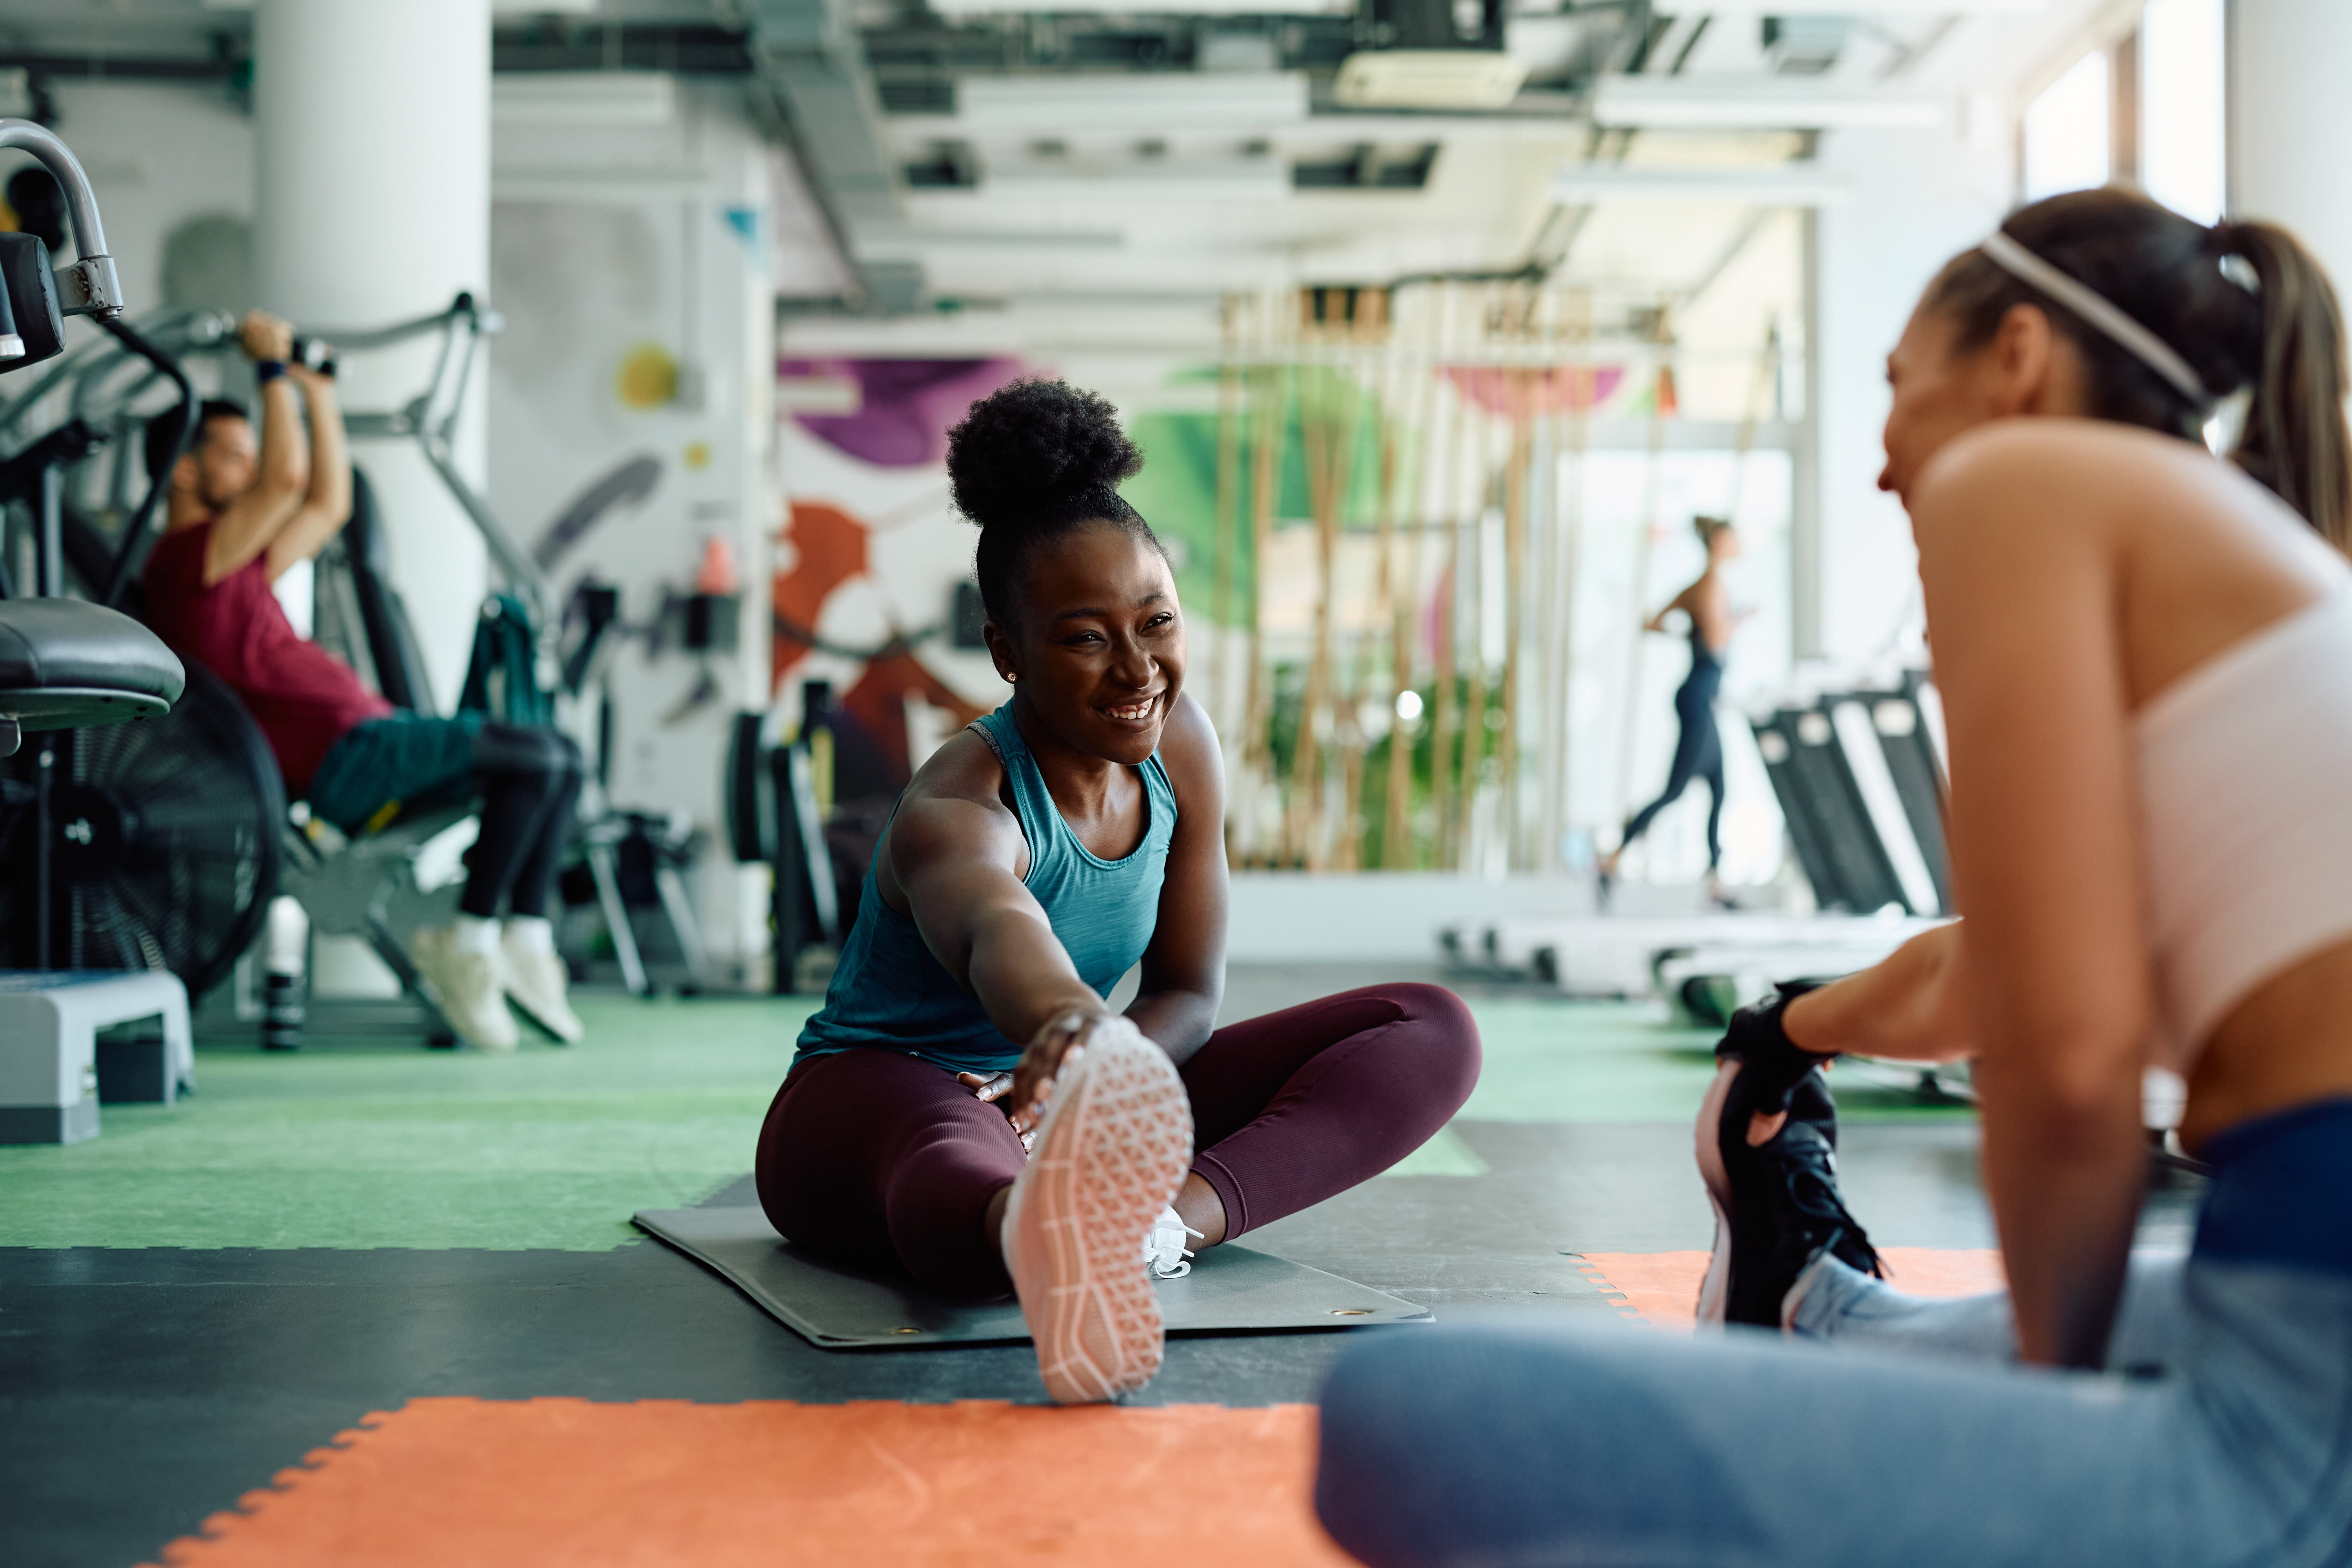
x=469, y=988
x=535, y=982
x=1164, y=1252
x=1112, y=1148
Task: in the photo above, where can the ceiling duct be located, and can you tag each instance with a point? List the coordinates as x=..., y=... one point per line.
x=1429, y=79
x=1432, y=53
x=810, y=61
x=1804, y=45
x=1160, y=102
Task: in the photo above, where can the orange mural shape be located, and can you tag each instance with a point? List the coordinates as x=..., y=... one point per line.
x=829, y=548
x=877, y=700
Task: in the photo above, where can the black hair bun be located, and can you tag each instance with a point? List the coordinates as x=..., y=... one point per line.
x=1034, y=448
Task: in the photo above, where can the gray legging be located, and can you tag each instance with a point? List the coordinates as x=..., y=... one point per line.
x=2226, y=1439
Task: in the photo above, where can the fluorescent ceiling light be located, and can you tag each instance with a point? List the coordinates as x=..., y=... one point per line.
x=1154, y=7
x=1763, y=187
x=1688, y=102
x=907, y=240
x=1174, y=102
x=1141, y=179
x=1743, y=9
x=1429, y=79
x=584, y=98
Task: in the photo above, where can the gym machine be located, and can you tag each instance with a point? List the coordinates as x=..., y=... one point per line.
x=65, y=667
x=1859, y=774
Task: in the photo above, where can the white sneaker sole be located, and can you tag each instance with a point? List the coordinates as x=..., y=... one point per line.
x=1113, y=1147
x=564, y=1028
x=1715, y=1291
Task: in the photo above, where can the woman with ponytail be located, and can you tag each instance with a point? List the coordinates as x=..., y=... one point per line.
x=967, y=1108
x=2146, y=662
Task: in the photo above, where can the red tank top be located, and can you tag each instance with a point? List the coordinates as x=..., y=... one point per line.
x=304, y=698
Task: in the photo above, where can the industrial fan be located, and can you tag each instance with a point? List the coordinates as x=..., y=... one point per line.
x=164, y=839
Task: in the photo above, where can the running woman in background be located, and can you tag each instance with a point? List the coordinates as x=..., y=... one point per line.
x=1698, y=748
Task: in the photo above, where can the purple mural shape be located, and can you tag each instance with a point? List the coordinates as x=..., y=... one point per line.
x=905, y=404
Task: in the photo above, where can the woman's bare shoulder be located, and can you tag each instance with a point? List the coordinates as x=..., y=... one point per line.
x=953, y=810
x=2034, y=485
x=965, y=767
x=2031, y=487
x=2032, y=451
x=1189, y=751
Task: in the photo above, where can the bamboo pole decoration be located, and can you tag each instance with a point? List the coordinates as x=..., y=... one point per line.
x=1564, y=529
x=1571, y=568
x=1386, y=618
x=1474, y=553
x=1403, y=604
x=1652, y=489
x=1223, y=543
x=1377, y=371
x=1329, y=429
x=1515, y=579
x=1265, y=469
x=1306, y=753
x=1444, y=723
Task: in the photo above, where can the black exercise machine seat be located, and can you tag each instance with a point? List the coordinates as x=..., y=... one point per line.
x=67, y=664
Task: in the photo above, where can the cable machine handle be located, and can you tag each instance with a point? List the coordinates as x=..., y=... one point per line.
x=88, y=286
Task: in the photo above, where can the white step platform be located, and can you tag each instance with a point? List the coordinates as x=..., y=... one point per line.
x=49, y=1051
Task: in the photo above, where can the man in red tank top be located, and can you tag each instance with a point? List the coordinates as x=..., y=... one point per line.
x=241, y=511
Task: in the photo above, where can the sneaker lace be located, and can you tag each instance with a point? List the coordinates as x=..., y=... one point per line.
x=1164, y=1252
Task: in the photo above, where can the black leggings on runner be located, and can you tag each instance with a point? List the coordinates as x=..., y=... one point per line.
x=529, y=779
x=1699, y=755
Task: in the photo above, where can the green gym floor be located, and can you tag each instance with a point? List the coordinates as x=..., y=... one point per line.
x=367, y=1243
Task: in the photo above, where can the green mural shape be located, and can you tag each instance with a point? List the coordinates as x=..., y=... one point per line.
x=1177, y=491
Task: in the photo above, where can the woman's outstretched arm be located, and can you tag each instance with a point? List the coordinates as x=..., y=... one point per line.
x=1912, y=1005
x=958, y=862
x=1184, y=967
x=2020, y=551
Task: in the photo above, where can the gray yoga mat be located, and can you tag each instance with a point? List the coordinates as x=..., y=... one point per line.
x=1231, y=1289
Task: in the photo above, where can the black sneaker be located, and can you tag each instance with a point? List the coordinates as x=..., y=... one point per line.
x=1776, y=1207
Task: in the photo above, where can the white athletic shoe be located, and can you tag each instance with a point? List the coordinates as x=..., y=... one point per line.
x=1112, y=1148
x=469, y=986
x=535, y=983
x=1164, y=1252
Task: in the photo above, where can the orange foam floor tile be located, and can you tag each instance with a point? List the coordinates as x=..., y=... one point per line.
x=456, y=1482
x=1662, y=1287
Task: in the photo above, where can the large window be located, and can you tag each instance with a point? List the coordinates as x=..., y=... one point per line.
x=2069, y=132
x=2182, y=131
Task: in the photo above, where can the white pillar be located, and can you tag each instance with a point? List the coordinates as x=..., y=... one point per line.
x=1919, y=197
x=372, y=197
x=2291, y=124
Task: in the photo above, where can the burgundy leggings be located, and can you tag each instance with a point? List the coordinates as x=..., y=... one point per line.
x=881, y=1160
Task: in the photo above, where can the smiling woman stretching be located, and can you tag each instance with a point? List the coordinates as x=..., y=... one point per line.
x=1040, y=854
x=2146, y=662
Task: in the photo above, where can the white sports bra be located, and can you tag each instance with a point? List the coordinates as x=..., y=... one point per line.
x=2245, y=777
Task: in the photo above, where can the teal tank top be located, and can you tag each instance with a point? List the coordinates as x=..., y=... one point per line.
x=889, y=991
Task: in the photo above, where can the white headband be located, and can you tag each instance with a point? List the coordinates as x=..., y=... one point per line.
x=2086, y=302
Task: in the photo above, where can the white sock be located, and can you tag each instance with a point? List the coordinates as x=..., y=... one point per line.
x=472, y=933
x=532, y=933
